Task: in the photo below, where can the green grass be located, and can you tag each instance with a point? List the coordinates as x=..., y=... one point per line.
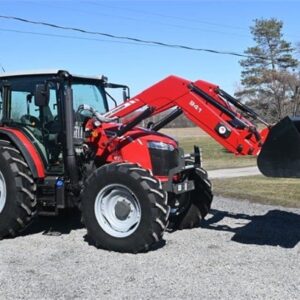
x=215, y=156
x=279, y=191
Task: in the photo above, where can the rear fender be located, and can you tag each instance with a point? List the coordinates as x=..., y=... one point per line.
x=27, y=149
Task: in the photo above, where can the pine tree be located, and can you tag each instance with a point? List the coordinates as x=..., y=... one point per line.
x=268, y=72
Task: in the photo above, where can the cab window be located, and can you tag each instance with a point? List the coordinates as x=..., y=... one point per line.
x=22, y=104
x=89, y=94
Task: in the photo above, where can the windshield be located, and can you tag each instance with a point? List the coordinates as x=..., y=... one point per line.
x=90, y=94
x=22, y=107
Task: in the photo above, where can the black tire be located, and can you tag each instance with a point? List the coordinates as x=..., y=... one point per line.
x=147, y=191
x=20, y=201
x=195, y=205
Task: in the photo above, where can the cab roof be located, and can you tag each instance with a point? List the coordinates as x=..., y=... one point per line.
x=45, y=72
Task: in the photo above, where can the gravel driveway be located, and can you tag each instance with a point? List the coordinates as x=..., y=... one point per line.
x=243, y=251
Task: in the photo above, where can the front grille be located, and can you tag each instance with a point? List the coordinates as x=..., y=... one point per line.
x=163, y=160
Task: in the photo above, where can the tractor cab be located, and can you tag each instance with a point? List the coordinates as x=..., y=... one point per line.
x=34, y=104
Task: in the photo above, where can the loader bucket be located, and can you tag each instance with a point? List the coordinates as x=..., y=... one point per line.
x=280, y=153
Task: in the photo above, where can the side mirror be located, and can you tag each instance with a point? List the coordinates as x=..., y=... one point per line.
x=125, y=94
x=41, y=95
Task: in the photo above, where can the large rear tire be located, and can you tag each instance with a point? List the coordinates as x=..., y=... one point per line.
x=124, y=208
x=17, y=191
x=194, y=205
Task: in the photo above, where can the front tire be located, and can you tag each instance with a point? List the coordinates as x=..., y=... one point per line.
x=124, y=208
x=194, y=205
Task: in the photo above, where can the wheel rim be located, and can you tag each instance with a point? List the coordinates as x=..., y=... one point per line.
x=117, y=210
x=2, y=192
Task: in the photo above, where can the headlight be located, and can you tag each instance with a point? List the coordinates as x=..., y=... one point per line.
x=160, y=146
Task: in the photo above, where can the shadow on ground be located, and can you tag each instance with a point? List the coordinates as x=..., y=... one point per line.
x=275, y=228
x=64, y=224
x=55, y=226
x=153, y=247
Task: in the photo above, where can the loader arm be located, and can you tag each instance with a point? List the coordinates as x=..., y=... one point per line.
x=206, y=105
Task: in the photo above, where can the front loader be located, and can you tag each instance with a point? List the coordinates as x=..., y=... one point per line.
x=61, y=147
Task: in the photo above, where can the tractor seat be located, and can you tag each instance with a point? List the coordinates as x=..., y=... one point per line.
x=39, y=146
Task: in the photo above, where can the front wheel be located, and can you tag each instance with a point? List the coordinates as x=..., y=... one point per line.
x=192, y=207
x=124, y=208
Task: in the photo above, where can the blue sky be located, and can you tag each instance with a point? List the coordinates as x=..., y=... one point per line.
x=220, y=25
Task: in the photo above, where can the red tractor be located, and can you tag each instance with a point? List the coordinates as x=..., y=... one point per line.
x=61, y=147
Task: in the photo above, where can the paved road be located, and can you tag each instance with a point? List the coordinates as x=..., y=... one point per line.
x=242, y=251
x=234, y=172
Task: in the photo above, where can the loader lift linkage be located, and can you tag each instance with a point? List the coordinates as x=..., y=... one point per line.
x=61, y=147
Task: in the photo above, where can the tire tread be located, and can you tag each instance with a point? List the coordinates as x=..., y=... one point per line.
x=24, y=202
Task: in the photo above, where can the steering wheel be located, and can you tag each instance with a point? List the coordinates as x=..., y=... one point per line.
x=31, y=121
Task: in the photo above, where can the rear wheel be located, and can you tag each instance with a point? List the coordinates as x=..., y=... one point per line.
x=17, y=191
x=124, y=208
x=192, y=207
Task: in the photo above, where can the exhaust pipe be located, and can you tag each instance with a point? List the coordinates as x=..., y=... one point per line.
x=280, y=153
